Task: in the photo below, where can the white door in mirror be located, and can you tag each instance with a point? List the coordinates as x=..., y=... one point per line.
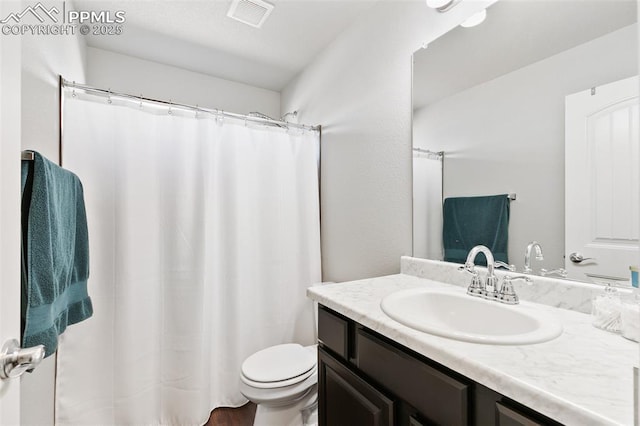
x=602, y=182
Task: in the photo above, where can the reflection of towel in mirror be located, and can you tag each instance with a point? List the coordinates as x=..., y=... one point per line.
x=471, y=221
x=55, y=253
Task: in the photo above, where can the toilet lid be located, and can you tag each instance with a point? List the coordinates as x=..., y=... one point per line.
x=278, y=363
x=311, y=374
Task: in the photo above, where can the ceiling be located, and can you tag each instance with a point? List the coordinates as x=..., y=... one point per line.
x=515, y=34
x=198, y=36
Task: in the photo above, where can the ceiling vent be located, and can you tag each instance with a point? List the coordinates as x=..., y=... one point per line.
x=250, y=12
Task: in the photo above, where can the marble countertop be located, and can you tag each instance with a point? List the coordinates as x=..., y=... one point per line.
x=583, y=377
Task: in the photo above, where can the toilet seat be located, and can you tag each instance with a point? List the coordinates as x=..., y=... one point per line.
x=279, y=383
x=280, y=396
x=278, y=366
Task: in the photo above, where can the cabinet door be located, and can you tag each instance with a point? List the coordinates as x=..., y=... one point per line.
x=333, y=332
x=347, y=400
x=509, y=417
x=439, y=397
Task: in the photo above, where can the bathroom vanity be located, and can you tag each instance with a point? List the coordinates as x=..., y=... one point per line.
x=358, y=368
x=376, y=371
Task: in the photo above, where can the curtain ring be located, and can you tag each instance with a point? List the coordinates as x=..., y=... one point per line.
x=196, y=111
x=140, y=101
x=73, y=92
x=170, y=105
x=109, y=97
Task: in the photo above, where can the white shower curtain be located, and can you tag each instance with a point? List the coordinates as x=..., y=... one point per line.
x=203, y=238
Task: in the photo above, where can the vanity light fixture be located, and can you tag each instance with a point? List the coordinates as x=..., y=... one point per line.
x=442, y=5
x=475, y=19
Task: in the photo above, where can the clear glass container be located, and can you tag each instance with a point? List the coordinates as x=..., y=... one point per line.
x=630, y=316
x=607, y=310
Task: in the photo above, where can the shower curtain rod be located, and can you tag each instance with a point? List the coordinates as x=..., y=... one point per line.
x=439, y=155
x=258, y=119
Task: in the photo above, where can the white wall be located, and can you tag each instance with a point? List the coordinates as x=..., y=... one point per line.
x=10, y=76
x=122, y=73
x=43, y=59
x=635, y=372
x=359, y=90
x=507, y=135
x=427, y=207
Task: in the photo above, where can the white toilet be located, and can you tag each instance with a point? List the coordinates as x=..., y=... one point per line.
x=283, y=381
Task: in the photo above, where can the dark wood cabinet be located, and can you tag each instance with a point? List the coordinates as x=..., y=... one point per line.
x=439, y=397
x=367, y=379
x=511, y=417
x=334, y=330
x=347, y=399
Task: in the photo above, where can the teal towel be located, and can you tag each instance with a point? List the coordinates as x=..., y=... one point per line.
x=55, y=253
x=471, y=221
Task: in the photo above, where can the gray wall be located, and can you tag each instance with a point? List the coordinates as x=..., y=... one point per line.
x=123, y=73
x=507, y=135
x=359, y=90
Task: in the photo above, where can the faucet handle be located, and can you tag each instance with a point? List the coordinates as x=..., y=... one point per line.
x=499, y=264
x=470, y=268
x=475, y=288
x=507, y=293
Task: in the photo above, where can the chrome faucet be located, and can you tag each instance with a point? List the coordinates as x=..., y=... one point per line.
x=488, y=289
x=527, y=255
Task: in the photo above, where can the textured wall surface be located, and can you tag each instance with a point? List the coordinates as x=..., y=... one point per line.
x=109, y=70
x=359, y=90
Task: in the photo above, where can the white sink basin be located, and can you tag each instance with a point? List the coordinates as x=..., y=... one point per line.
x=456, y=315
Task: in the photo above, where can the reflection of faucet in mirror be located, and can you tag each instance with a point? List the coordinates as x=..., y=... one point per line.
x=561, y=272
x=499, y=264
x=527, y=255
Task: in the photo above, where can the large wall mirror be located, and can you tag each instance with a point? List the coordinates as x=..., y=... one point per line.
x=497, y=106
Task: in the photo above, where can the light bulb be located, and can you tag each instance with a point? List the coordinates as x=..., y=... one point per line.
x=475, y=19
x=437, y=4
